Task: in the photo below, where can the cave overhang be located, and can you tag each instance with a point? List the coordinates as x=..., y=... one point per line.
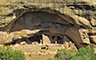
x=61, y=25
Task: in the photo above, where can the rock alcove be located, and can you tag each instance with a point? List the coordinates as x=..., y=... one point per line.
x=44, y=28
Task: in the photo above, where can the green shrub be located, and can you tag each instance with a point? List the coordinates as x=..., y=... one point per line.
x=50, y=59
x=6, y=53
x=82, y=54
x=65, y=54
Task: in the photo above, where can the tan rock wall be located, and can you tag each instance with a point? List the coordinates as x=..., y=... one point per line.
x=79, y=17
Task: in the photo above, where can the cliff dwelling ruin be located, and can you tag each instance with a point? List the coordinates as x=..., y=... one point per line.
x=42, y=28
x=46, y=28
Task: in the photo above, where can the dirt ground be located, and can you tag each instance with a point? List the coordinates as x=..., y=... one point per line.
x=37, y=51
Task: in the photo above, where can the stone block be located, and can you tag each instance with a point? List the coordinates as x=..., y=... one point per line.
x=46, y=39
x=93, y=38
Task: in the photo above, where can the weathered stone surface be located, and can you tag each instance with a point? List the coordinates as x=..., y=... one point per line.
x=93, y=38
x=72, y=46
x=10, y=10
x=23, y=43
x=45, y=40
x=93, y=22
x=69, y=45
x=35, y=43
x=84, y=36
x=3, y=37
x=72, y=18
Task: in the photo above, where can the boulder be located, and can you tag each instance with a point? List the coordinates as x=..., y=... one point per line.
x=35, y=43
x=93, y=38
x=23, y=43
x=93, y=22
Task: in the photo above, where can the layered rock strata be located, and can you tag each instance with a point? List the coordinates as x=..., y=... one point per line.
x=73, y=20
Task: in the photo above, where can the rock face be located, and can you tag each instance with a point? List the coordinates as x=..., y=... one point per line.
x=46, y=40
x=74, y=19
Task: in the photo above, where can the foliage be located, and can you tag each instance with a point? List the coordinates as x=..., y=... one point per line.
x=65, y=54
x=82, y=54
x=6, y=53
x=50, y=59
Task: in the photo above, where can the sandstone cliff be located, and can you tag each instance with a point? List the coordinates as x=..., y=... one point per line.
x=74, y=19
